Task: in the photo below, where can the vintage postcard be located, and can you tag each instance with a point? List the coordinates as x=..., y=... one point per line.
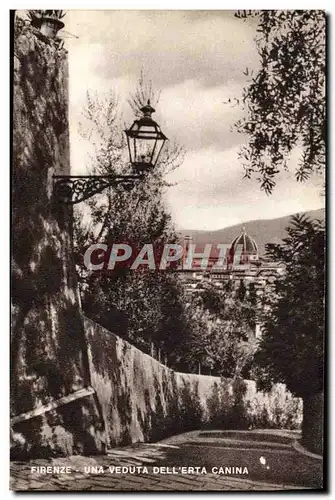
x=168, y=269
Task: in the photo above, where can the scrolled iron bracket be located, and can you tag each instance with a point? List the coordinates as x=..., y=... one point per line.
x=72, y=189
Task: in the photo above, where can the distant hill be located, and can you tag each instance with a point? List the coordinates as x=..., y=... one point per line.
x=263, y=231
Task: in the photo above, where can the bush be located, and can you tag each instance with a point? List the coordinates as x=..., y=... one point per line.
x=237, y=405
x=191, y=412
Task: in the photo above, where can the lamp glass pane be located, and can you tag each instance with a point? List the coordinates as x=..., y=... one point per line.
x=145, y=142
x=144, y=149
x=157, y=149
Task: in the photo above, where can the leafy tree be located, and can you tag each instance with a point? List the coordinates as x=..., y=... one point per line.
x=130, y=303
x=252, y=295
x=285, y=99
x=144, y=91
x=285, y=110
x=221, y=331
x=292, y=345
x=241, y=291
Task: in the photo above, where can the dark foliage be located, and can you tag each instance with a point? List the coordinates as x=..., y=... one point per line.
x=292, y=346
x=220, y=329
x=285, y=99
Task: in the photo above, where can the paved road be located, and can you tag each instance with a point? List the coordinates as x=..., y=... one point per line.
x=191, y=462
x=266, y=457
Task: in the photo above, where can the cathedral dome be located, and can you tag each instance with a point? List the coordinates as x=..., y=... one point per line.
x=249, y=245
x=245, y=246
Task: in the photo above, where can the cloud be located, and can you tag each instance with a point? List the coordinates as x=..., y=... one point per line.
x=181, y=51
x=173, y=46
x=197, y=115
x=211, y=193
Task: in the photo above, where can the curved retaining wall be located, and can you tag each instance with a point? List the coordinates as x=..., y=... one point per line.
x=143, y=400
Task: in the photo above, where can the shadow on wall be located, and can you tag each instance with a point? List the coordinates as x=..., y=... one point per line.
x=48, y=347
x=144, y=401
x=183, y=411
x=62, y=432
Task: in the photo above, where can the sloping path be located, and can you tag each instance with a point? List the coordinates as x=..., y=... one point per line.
x=171, y=465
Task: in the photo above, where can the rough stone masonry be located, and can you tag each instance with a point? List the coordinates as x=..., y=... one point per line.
x=48, y=352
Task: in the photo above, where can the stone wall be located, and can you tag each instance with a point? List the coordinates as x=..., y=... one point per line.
x=143, y=400
x=48, y=351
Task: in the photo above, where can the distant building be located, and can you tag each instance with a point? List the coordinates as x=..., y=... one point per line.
x=240, y=261
x=245, y=247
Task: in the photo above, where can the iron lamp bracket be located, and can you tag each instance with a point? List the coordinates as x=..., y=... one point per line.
x=72, y=189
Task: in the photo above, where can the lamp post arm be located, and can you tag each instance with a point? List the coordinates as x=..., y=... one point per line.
x=72, y=189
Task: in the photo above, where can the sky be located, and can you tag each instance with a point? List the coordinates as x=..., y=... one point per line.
x=197, y=60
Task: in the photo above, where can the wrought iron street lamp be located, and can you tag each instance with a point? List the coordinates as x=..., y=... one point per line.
x=145, y=143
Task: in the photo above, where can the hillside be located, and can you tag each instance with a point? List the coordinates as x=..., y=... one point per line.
x=263, y=231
